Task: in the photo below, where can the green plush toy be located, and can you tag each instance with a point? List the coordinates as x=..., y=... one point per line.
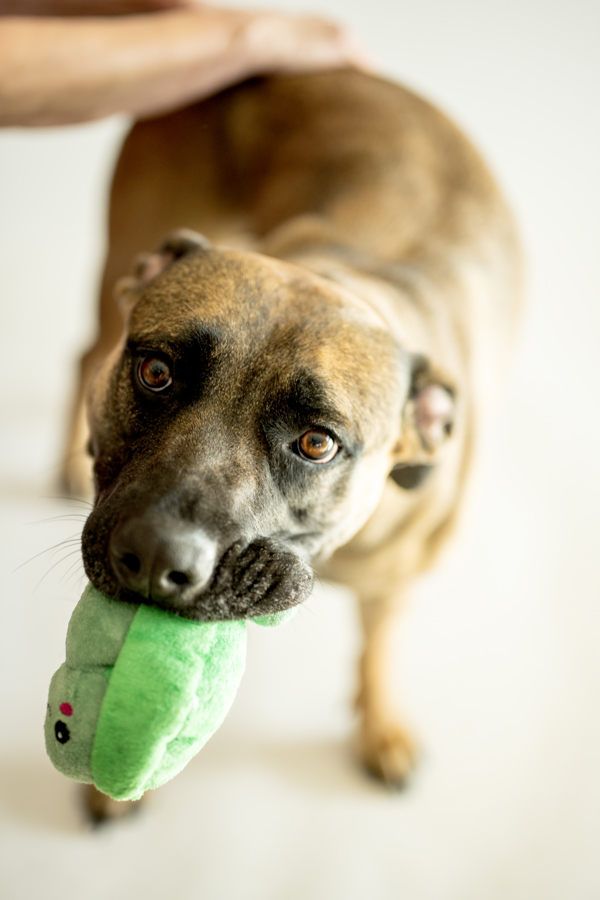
x=140, y=693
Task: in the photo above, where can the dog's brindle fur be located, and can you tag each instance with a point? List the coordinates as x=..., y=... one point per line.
x=370, y=291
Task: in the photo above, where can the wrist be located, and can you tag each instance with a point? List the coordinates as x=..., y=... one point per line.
x=83, y=8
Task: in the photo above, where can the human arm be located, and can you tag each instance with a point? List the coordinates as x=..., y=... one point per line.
x=57, y=71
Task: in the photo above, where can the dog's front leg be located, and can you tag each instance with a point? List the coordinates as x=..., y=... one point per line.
x=99, y=808
x=387, y=749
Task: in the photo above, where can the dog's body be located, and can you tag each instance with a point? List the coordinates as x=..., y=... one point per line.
x=249, y=420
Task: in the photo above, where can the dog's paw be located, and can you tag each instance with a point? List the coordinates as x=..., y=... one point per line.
x=388, y=751
x=101, y=809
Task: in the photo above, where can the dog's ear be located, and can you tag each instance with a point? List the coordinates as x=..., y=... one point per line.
x=147, y=266
x=427, y=421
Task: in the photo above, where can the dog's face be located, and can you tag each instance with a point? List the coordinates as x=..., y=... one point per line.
x=245, y=426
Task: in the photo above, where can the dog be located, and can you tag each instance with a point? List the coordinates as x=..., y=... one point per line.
x=305, y=362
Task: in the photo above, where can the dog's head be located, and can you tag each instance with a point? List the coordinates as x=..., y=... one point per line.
x=245, y=425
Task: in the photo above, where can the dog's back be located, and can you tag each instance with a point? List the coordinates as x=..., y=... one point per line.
x=343, y=172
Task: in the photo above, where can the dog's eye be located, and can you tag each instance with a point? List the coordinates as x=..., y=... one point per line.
x=154, y=373
x=317, y=446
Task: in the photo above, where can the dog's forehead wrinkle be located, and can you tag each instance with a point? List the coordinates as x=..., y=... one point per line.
x=270, y=314
x=221, y=286
x=302, y=400
x=226, y=285
x=361, y=397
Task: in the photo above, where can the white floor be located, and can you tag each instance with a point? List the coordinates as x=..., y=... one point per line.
x=498, y=667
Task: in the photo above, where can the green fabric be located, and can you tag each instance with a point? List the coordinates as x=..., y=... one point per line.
x=172, y=685
x=140, y=692
x=84, y=691
x=96, y=632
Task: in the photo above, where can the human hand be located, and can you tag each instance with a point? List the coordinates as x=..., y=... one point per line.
x=282, y=42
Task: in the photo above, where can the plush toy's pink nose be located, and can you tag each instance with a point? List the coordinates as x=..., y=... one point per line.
x=161, y=559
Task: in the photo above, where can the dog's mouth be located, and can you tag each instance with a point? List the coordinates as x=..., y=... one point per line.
x=257, y=579
x=248, y=580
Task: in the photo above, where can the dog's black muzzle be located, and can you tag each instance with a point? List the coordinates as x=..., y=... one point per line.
x=253, y=580
x=177, y=566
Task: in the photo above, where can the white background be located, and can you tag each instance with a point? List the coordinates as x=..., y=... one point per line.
x=497, y=665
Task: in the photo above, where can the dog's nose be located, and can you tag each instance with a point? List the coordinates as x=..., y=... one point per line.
x=164, y=561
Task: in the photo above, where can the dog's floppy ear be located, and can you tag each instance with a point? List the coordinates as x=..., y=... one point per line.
x=427, y=421
x=148, y=265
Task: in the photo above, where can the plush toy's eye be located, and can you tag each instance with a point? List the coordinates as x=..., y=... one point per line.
x=154, y=373
x=317, y=446
x=62, y=732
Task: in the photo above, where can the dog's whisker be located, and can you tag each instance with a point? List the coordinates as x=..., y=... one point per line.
x=76, y=583
x=74, y=539
x=68, y=517
x=53, y=566
x=74, y=574
x=70, y=573
x=87, y=503
x=73, y=543
x=303, y=608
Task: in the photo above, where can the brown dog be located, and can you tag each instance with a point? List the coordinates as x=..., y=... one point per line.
x=306, y=389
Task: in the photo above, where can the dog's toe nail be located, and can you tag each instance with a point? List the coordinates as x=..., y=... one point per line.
x=389, y=755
